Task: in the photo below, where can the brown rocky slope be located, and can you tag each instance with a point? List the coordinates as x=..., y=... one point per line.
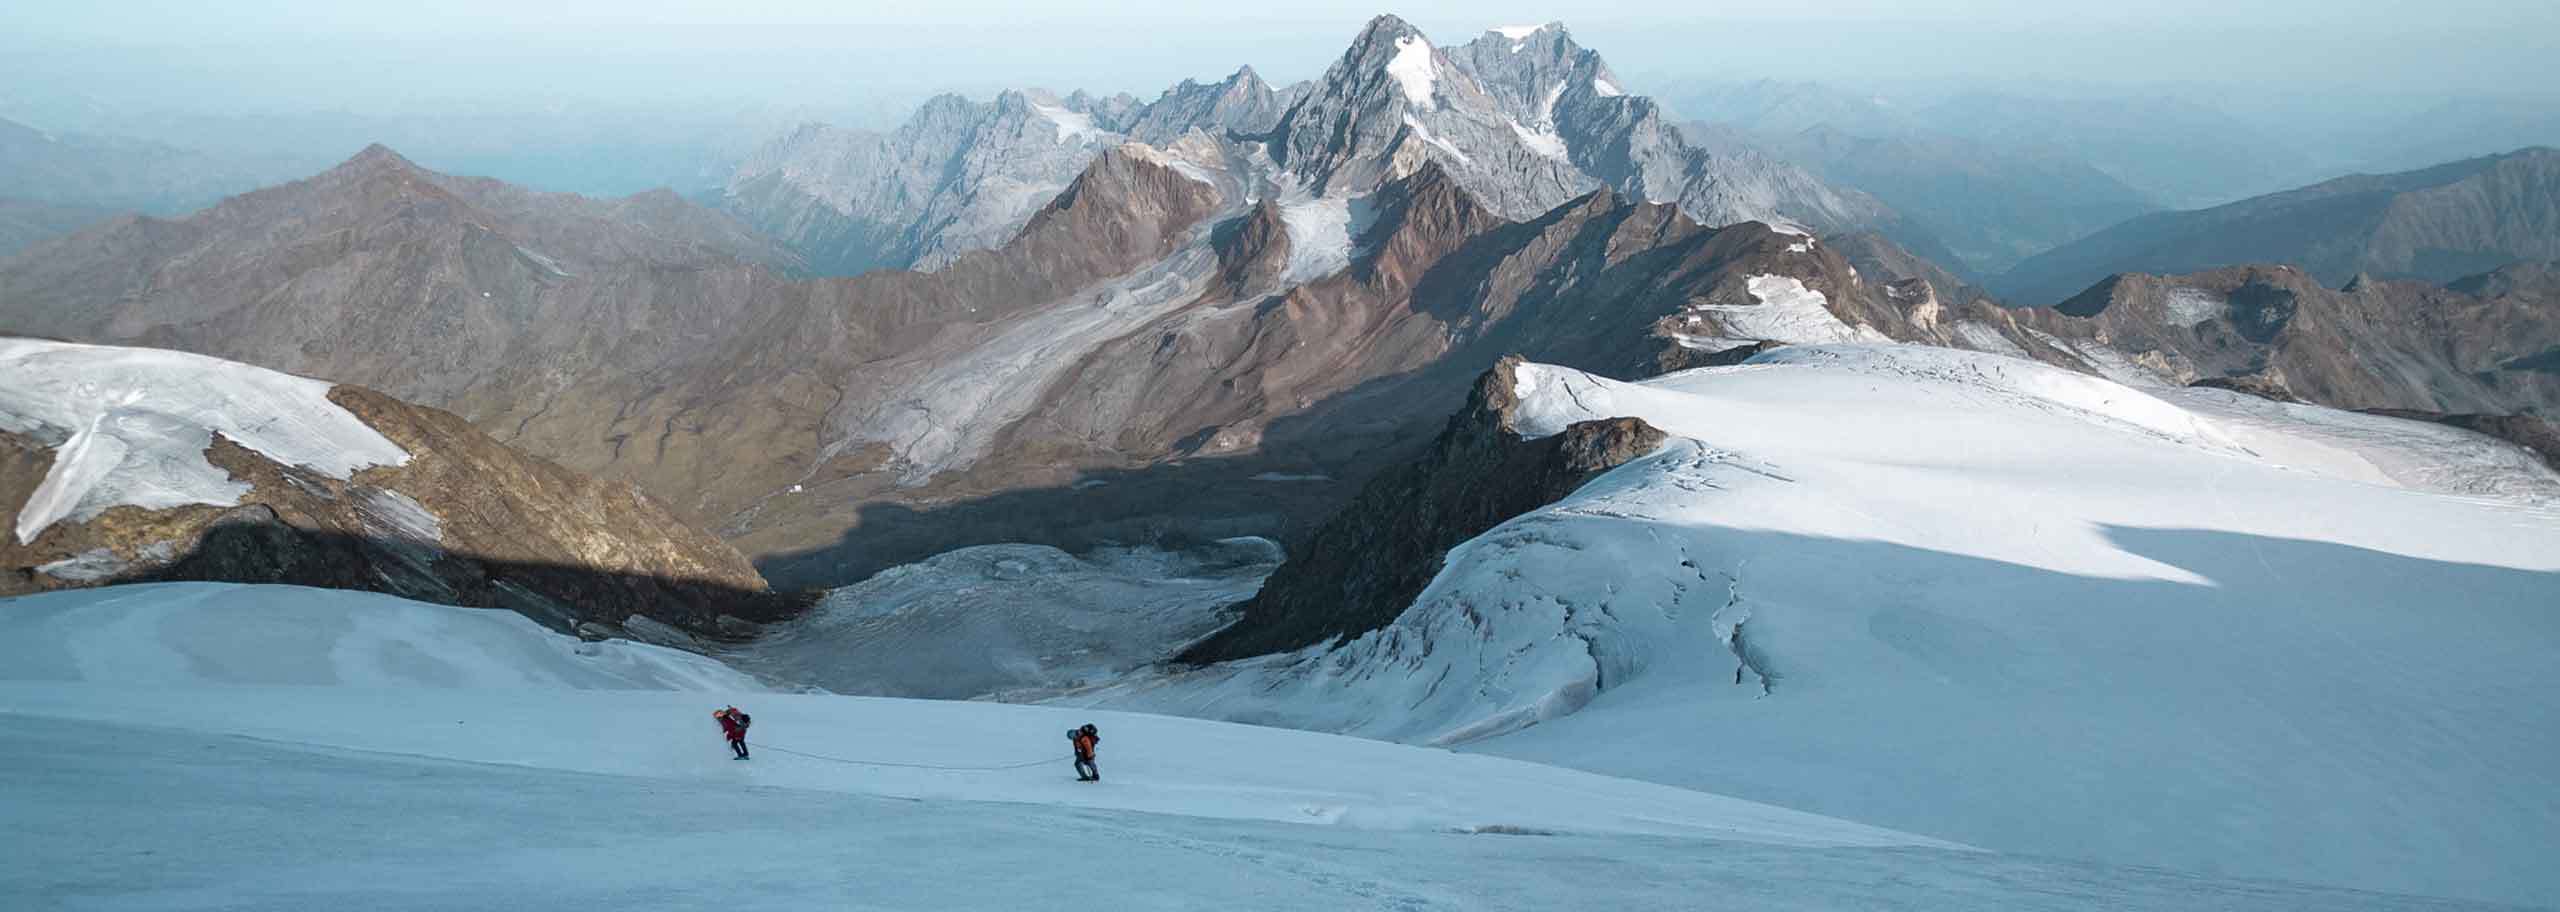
x=464, y=520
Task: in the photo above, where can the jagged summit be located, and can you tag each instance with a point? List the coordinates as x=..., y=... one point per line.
x=1524, y=117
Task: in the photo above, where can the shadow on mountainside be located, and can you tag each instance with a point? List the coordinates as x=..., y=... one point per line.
x=1307, y=467
x=248, y=545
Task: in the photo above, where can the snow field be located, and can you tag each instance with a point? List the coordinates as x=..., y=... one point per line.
x=1995, y=602
x=407, y=678
x=109, y=817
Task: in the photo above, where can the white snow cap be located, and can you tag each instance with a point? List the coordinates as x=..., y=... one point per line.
x=1073, y=126
x=1519, y=34
x=1413, y=69
x=134, y=424
x=1605, y=88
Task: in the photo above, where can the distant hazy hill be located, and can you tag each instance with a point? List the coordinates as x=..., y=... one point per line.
x=2437, y=224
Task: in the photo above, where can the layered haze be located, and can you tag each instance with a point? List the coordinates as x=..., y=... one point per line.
x=598, y=97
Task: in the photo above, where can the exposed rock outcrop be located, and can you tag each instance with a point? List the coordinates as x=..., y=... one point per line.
x=462, y=520
x=2375, y=344
x=1365, y=565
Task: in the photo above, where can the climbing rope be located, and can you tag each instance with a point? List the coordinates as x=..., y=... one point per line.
x=925, y=766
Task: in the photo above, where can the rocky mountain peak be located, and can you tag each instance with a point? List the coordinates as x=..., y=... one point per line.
x=1364, y=566
x=377, y=157
x=1244, y=79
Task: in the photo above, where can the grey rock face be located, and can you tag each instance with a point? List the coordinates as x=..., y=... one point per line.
x=958, y=176
x=2377, y=344
x=1240, y=105
x=438, y=289
x=1525, y=124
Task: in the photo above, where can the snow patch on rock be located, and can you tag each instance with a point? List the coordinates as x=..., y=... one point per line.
x=1319, y=237
x=2190, y=306
x=1543, y=142
x=1983, y=337
x=1073, y=126
x=1424, y=133
x=133, y=425
x=1414, y=70
x=1789, y=312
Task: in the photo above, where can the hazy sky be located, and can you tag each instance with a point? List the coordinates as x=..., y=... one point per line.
x=294, y=55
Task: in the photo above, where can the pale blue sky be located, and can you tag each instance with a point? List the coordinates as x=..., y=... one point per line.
x=282, y=55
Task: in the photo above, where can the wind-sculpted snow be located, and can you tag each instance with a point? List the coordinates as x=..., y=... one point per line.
x=1997, y=602
x=131, y=426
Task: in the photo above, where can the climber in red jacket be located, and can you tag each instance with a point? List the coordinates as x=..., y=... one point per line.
x=733, y=723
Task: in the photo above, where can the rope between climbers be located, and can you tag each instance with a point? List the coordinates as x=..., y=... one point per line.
x=926, y=766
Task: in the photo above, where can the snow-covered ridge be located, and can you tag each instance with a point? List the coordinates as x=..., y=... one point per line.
x=131, y=425
x=1788, y=312
x=1949, y=592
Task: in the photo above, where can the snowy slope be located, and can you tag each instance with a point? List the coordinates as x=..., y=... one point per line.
x=1999, y=603
x=163, y=634
x=143, y=776
x=110, y=817
x=424, y=680
x=131, y=426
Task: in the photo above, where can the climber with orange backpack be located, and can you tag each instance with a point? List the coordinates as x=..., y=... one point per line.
x=733, y=723
x=1085, y=739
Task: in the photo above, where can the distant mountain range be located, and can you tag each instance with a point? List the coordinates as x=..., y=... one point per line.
x=2174, y=152
x=1526, y=121
x=2435, y=224
x=1219, y=332
x=1991, y=204
x=110, y=173
x=24, y=222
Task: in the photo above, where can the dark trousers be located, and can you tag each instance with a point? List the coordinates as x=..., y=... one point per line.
x=739, y=745
x=1086, y=770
